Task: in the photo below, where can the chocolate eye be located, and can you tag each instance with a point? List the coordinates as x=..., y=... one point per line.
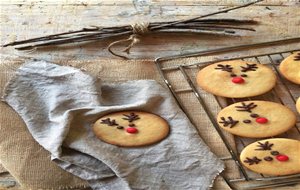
x=247, y=121
x=233, y=75
x=254, y=115
x=274, y=153
x=268, y=158
x=244, y=75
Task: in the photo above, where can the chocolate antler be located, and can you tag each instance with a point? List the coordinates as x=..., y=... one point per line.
x=131, y=117
x=264, y=146
x=109, y=122
x=249, y=67
x=252, y=161
x=226, y=68
x=245, y=107
x=297, y=57
x=230, y=122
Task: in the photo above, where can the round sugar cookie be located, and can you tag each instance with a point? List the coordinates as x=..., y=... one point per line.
x=131, y=128
x=290, y=68
x=256, y=119
x=276, y=156
x=298, y=105
x=236, y=79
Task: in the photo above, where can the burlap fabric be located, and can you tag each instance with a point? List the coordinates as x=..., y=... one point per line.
x=2, y=169
x=30, y=164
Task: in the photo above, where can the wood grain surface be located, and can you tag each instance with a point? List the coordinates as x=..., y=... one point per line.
x=22, y=19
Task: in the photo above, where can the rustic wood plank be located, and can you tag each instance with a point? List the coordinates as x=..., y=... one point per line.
x=152, y=2
x=278, y=22
x=23, y=19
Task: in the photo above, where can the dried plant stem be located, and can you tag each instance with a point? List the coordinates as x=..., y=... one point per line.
x=194, y=25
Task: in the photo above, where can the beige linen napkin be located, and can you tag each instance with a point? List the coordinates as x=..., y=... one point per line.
x=61, y=103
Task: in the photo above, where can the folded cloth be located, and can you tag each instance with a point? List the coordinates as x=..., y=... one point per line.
x=59, y=104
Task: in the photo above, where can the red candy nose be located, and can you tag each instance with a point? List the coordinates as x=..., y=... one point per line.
x=237, y=80
x=282, y=158
x=131, y=130
x=261, y=120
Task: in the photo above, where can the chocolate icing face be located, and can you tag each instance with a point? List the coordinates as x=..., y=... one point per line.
x=275, y=156
x=228, y=122
x=236, y=79
x=253, y=160
x=129, y=117
x=131, y=128
x=268, y=158
x=274, y=153
x=244, y=107
x=256, y=119
x=227, y=68
x=266, y=146
x=249, y=67
x=109, y=122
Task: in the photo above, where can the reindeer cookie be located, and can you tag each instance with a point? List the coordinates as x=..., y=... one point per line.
x=256, y=119
x=290, y=68
x=236, y=79
x=131, y=128
x=277, y=156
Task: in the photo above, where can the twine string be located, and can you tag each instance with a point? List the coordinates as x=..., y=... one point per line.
x=138, y=30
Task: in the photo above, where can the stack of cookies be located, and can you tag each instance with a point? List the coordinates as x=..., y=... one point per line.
x=253, y=118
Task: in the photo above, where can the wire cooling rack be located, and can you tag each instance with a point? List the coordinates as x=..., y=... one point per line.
x=285, y=93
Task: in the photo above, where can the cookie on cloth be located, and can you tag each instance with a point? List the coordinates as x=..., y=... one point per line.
x=276, y=156
x=131, y=128
x=298, y=105
x=256, y=119
x=290, y=68
x=236, y=79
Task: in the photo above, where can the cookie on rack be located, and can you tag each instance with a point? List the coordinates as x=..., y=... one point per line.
x=131, y=128
x=290, y=68
x=298, y=105
x=276, y=156
x=256, y=119
x=236, y=79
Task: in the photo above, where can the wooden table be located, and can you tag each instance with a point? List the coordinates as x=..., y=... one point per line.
x=22, y=19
